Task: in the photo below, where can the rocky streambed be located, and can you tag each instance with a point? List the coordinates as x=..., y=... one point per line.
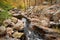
x=30, y=25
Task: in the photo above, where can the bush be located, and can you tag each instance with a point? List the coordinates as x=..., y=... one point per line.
x=5, y=6
x=4, y=15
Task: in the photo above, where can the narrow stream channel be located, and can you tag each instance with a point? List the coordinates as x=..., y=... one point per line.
x=30, y=34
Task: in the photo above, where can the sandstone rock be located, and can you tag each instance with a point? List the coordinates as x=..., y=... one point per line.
x=14, y=20
x=17, y=35
x=15, y=11
x=45, y=22
x=12, y=39
x=9, y=31
x=7, y=22
x=2, y=30
x=56, y=16
x=50, y=37
x=19, y=25
x=8, y=38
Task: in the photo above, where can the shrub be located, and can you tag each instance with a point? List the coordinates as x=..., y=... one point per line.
x=4, y=15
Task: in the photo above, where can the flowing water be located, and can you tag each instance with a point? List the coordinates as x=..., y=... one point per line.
x=30, y=34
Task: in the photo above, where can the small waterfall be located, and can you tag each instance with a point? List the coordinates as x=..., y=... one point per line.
x=30, y=34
